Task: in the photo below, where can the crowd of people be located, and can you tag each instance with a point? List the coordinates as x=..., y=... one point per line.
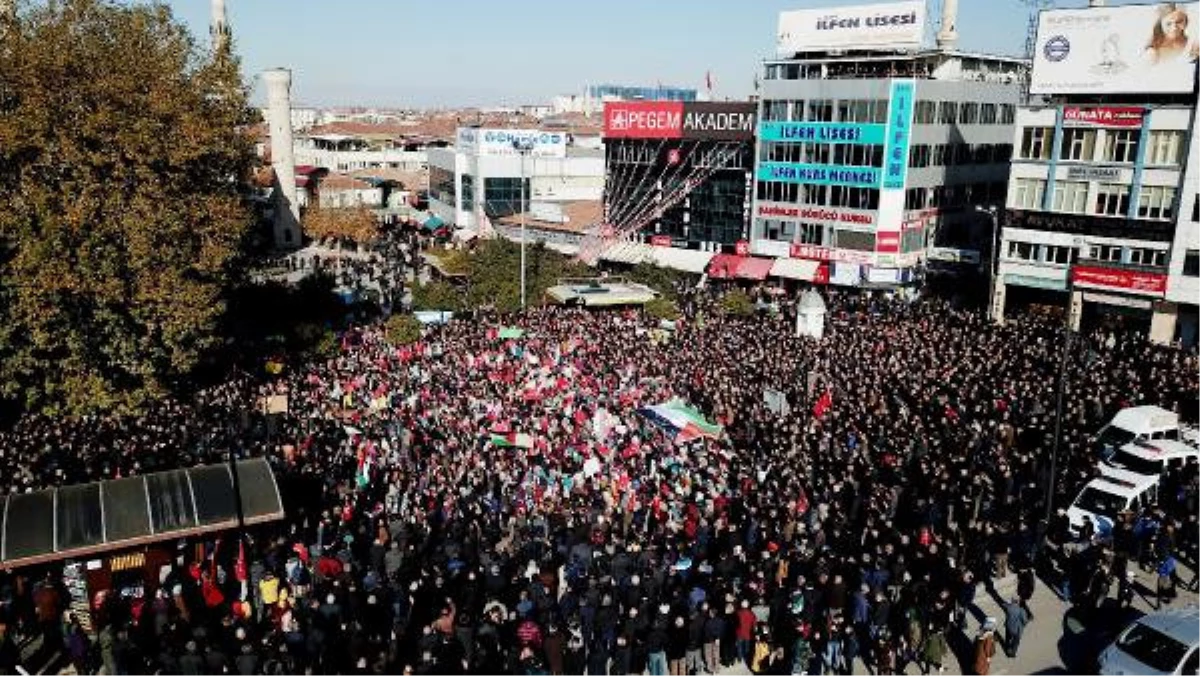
x=491, y=500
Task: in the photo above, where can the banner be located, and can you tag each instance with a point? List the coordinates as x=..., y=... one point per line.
x=698, y=121
x=819, y=174
x=1132, y=49
x=1125, y=117
x=897, y=25
x=822, y=132
x=1124, y=280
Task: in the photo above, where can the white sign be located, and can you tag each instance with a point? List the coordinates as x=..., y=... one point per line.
x=1133, y=49
x=845, y=274
x=501, y=142
x=896, y=25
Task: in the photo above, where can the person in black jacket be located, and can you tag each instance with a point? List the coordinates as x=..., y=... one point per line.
x=677, y=646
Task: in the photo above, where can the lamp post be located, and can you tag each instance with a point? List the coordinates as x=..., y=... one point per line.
x=523, y=146
x=1060, y=391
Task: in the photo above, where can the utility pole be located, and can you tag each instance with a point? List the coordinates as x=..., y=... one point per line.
x=523, y=147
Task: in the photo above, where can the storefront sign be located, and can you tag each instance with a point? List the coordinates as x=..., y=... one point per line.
x=883, y=275
x=805, y=213
x=503, y=142
x=819, y=174
x=1090, y=226
x=814, y=252
x=887, y=242
x=1123, y=301
x=699, y=121
x=822, y=132
x=900, y=110
x=896, y=25
x=1093, y=174
x=742, y=248
x=1103, y=117
x=660, y=240
x=1125, y=280
x=821, y=276
x=846, y=274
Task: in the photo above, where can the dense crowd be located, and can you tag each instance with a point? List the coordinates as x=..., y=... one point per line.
x=498, y=505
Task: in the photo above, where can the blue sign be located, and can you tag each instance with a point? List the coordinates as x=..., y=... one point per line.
x=819, y=174
x=822, y=132
x=895, y=159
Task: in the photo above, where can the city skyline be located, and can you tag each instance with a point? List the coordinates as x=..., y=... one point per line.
x=331, y=47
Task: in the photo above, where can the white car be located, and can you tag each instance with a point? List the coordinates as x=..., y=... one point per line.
x=1153, y=458
x=1166, y=642
x=1106, y=496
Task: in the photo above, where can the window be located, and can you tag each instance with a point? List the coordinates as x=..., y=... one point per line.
x=1112, y=199
x=1196, y=209
x=775, y=110
x=1028, y=193
x=1022, y=251
x=441, y=185
x=1036, y=143
x=776, y=191
x=919, y=156
x=1165, y=148
x=820, y=110
x=1154, y=258
x=1156, y=202
x=968, y=113
x=1070, y=197
x=947, y=112
x=941, y=155
x=856, y=241
x=468, y=192
x=1078, y=144
x=1105, y=253
x=812, y=233
x=1191, y=263
x=1008, y=113
x=853, y=198
x=1120, y=146
x=987, y=113
x=1058, y=255
x=925, y=112
x=502, y=196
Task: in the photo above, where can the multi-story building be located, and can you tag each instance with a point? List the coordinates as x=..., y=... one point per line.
x=1183, y=268
x=592, y=101
x=484, y=172
x=1097, y=214
x=871, y=147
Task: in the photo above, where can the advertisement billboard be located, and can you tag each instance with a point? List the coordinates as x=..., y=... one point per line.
x=900, y=111
x=1123, y=280
x=819, y=174
x=699, y=121
x=823, y=132
x=1106, y=116
x=1132, y=49
x=499, y=142
x=822, y=214
x=895, y=25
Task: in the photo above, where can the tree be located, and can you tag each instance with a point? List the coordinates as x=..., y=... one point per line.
x=403, y=329
x=737, y=303
x=663, y=308
x=356, y=224
x=123, y=152
x=437, y=295
x=662, y=280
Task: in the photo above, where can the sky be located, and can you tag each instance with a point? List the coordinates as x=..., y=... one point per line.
x=455, y=53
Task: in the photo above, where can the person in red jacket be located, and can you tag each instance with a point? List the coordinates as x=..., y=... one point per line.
x=744, y=632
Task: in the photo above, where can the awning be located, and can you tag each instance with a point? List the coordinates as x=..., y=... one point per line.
x=432, y=223
x=627, y=252
x=76, y=521
x=795, y=268
x=724, y=266
x=687, y=260
x=755, y=268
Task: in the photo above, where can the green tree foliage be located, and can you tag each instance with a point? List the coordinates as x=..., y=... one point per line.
x=403, y=329
x=437, y=295
x=122, y=156
x=494, y=269
x=737, y=303
x=663, y=308
x=662, y=280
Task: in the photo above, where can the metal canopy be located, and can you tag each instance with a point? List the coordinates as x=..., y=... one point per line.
x=85, y=519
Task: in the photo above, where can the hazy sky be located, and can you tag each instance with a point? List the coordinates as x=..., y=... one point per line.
x=427, y=53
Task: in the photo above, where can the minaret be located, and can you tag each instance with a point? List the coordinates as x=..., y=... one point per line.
x=218, y=27
x=947, y=37
x=279, y=114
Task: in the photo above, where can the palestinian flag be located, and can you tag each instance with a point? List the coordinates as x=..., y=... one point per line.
x=366, y=459
x=681, y=421
x=512, y=440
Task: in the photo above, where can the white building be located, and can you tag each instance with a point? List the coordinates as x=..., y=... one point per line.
x=483, y=171
x=1099, y=218
x=346, y=153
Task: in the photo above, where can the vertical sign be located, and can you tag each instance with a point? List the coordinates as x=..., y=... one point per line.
x=895, y=165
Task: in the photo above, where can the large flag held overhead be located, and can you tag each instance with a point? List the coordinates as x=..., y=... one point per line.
x=512, y=439
x=681, y=421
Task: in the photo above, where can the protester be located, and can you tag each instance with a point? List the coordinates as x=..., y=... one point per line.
x=479, y=502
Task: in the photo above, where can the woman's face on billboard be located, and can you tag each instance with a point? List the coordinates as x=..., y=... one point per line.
x=1174, y=24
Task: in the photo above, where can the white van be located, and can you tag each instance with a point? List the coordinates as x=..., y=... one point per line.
x=1141, y=423
x=1166, y=642
x=1153, y=458
x=1113, y=492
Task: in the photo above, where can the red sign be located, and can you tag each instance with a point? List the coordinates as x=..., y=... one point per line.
x=1104, y=117
x=817, y=214
x=660, y=240
x=813, y=252
x=1126, y=280
x=742, y=248
x=887, y=242
x=821, y=276
x=643, y=119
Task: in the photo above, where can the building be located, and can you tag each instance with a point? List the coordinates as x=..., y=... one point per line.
x=592, y=101
x=873, y=148
x=1183, y=268
x=485, y=173
x=679, y=173
x=1100, y=215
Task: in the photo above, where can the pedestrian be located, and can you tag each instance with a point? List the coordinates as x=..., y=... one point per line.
x=1015, y=619
x=985, y=648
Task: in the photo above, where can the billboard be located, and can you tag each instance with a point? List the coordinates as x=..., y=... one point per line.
x=1107, y=116
x=819, y=174
x=895, y=25
x=700, y=121
x=823, y=132
x=1132, y=49
x=1123, y=280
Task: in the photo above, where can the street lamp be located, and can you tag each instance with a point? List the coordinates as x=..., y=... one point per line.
x=1060, y=391
x=523, y=146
